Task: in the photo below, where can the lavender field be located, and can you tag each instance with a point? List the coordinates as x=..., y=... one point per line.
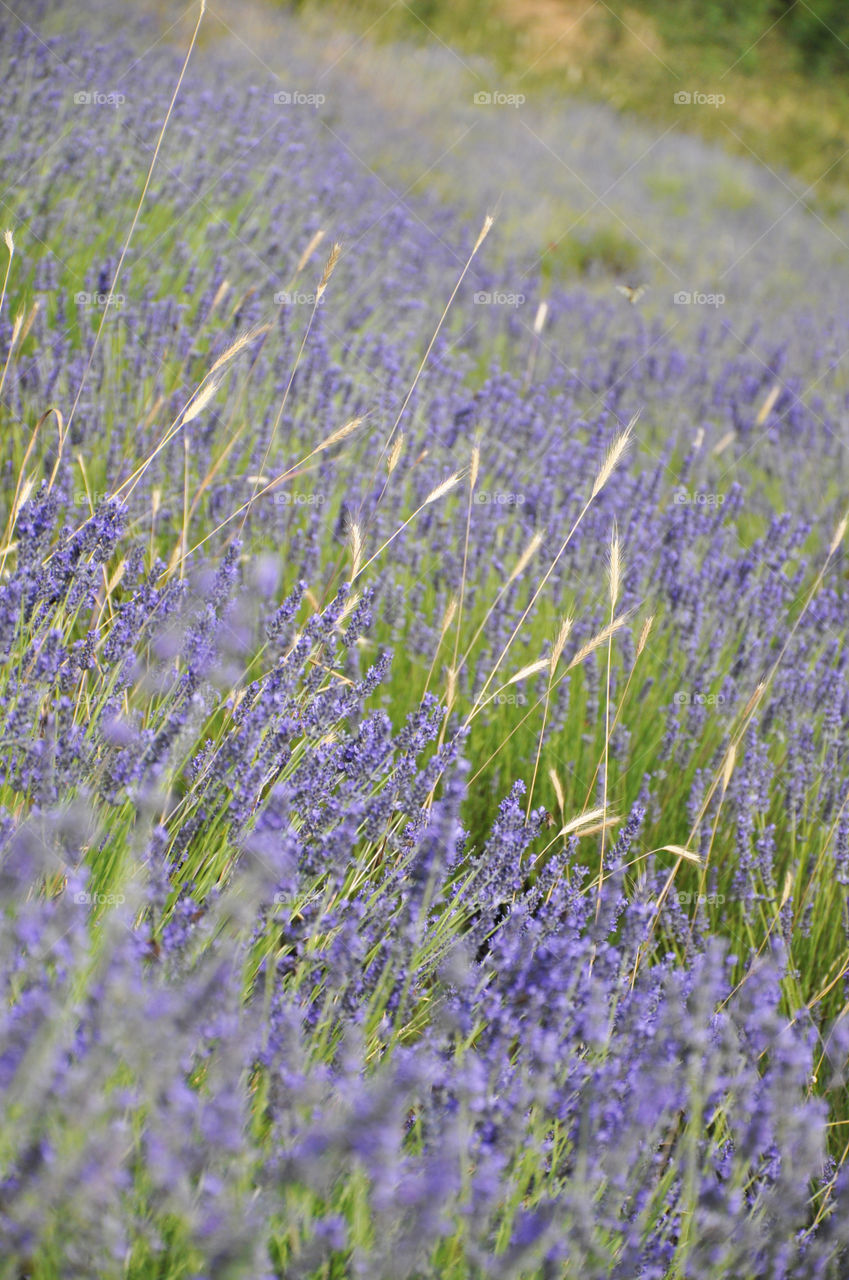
x=424, y=795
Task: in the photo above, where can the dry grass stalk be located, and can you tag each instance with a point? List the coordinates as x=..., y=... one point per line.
x=474, y=467
x=441, y=489
x=329, y=267
x=200, y=402
x=727, y=439
x=728, y=767
x=839, y=534
x=433, y=496
x=10, y=245
x=341, y=433
x=395, y=454
x=530, y=670
x=614, y=567
x=598, y=639
x=644, y=634
x=16, y=329
x=355, y=541
x=560, y=644
x=614, y=457
x=309, y=251
x=451, y=688
x=30, y=320
x=768, y=404
x=525, y=558
x=680, y=851
x=239, y=345
x=220, y=294
x=588, y=819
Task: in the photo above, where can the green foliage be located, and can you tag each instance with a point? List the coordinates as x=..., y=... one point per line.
x=821, y=34
x=598, y=250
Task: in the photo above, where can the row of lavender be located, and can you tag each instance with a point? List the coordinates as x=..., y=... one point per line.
x=297, y=980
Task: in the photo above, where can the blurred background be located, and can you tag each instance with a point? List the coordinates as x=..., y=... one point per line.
x=780, y=64
x=662, y=147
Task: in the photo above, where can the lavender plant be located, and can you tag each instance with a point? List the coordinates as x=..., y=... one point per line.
x=423, y=835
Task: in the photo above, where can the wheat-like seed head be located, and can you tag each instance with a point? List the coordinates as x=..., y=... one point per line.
x=30, y=320
x=451, y=688
x=588, y=822
x=530, y=670
x=201, y=400
x=352, y=601
x=355, y=540
x=309, y=251
x=526, y=556
x=540, y=318
x=680, y=851
x=728, y=766
x=474, y=467
x=839, y=533
x=559, y=643
x=614, y=568
x=484, y=232
x=754, y=700
x=644, y=634
x=442, y=489
x=26, y=490
x=768, y=404
x=10, y=242
x=328, y=270
x=116, y=577
x=614, y=455
x=237, y=346
x=448, y=617
x=341, y=434
x=599, y=639
x=395, y=454
x=787, y=890
x=558, y=789
x=220, y=294
x=727, y=439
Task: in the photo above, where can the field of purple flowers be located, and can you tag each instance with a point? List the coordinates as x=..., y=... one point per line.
x=424, y=796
